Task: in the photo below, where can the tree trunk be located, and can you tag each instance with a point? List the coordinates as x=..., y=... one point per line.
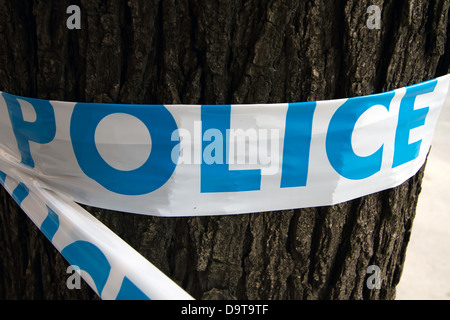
x=222, y=52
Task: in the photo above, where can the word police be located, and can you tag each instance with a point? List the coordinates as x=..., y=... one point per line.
x=218, y=177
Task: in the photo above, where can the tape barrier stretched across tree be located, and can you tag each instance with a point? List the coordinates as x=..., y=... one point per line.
x=50, y=172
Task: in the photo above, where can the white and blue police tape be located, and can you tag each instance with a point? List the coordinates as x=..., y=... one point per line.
x=192, y=160
x=113, y=269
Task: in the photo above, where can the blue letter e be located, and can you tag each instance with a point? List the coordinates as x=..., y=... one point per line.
x=409, y=118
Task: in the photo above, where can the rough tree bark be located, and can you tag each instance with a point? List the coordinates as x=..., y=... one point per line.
x=214, y=52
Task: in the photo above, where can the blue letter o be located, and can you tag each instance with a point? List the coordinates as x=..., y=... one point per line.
x=153, y=174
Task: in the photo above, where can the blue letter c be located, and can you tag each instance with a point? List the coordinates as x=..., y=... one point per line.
x=339, y=138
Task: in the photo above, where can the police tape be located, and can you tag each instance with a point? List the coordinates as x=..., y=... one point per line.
x=193, y=160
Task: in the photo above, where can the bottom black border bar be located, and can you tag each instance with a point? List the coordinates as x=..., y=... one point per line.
x=279, y=309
